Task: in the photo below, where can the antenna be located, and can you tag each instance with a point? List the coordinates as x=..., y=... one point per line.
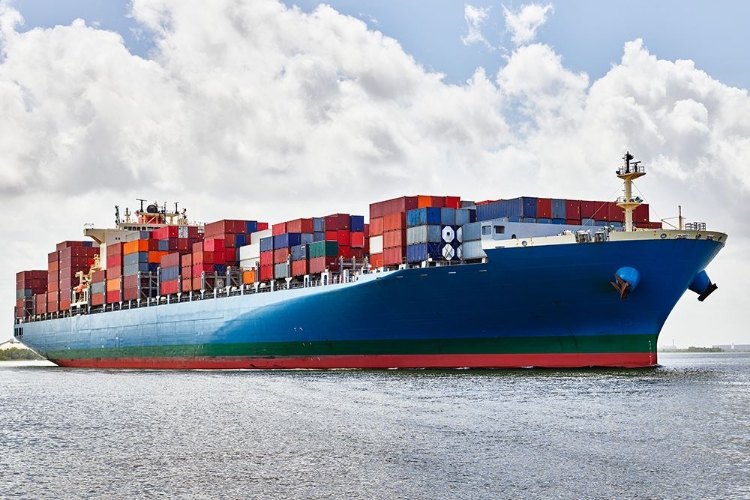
x=117, y=215
x=141, y=200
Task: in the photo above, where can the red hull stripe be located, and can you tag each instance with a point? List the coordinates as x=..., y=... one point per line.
x=576, y=360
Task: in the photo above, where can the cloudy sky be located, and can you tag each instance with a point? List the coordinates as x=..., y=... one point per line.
x=271, y=110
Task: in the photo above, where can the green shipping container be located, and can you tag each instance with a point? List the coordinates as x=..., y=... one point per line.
x=323, y=249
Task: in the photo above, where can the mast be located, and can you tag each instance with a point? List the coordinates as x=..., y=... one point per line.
x=630, y=171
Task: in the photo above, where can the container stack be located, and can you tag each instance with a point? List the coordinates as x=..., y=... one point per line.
x=389, y=241
x=208, y=257
x=53, y=281
x=28, y=285
x=98, y=288
x=562, y=211
x=73, y=257
x=470, y=236
x=249, y=256
x=388, y=230
x=169, y=273
x=113, y=288
x=432, y=233
x=305, y=246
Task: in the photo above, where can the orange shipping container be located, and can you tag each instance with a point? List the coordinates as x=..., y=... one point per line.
x=135, y=246
x=155, y=257
x=248, y=277
x=424, y=201
x=113, y=285
x=376, y=260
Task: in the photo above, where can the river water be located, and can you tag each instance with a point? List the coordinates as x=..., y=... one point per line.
x=679, y=431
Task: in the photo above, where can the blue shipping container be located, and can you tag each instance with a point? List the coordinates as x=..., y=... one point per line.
x=299, y=252
x=286, y=240
x=558, y=208
x=423, y=217
x=319, y=236
x=422, y=251
x=251, y=226
x=319, y=225
x=306, y=238
x=266, y=244
x=356, y=223
x=448, y=216
x=134, y=258
x=529, y=206
x=240, y=240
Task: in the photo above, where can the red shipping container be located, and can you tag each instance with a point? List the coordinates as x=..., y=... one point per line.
x=67, y=244
x=169, y=287
x=367, y=230
x=199, y=269
x=357, y=253
x=573, y=222
x=266, y=273
x=641, y=214
x=345, y=251
x=197, y=246
x=343, y=237
x=165, y=232
x=357, y=240
x=114, y=249
x=376, y=260
x=113, y=296
x=97, y=299
x=114, y=260
x=280, y=255
x=40, y=304
x=183, y=245
x=334, y=222
x=207, y=258
x=64, y=304
x=332, y=235
x=130, y=294
x=438, y=201
x=393, y=256
x=393, y=239
x=114, y=271
x=394, y=221
x=278, y=229
x=262, y=226
x=187, y=284
x=299, y=226
x=615, y=213
x=587, y=209
x=320, y=264
x=53, y=256
x=186, y=260
x=403, y=204
x=573, y=209
x=53, y=284
x=266, y=259
x=230, y=255
x=213, y=245
x=299, y=268
x=452, y=202
x=170, y=260
x=99, y=277
x=376, y=226
x=544, y=208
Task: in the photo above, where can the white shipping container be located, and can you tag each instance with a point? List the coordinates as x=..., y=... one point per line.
x=472, y=250
x=251, y=251
x=248, y=264
x=256, y=236
x=376, y=244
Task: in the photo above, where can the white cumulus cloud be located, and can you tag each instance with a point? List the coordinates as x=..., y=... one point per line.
x=524, y=22
x=475, y=17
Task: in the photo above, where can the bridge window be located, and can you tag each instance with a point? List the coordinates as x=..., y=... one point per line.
x=499, y=229
x=486, y=230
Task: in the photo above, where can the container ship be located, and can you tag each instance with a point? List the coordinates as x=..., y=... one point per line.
x=427, y=282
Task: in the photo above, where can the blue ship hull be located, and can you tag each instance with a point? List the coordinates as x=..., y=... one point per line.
x=546, y=305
